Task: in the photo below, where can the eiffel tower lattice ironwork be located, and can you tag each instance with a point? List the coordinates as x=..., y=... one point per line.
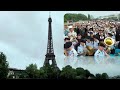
x=50, y=51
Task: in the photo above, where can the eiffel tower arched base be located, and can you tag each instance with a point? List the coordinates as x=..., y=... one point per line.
x=48, y=58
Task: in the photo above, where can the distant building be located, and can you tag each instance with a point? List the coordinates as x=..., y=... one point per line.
x=15, y=73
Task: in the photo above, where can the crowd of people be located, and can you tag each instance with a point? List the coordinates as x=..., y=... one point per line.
x=87, y=38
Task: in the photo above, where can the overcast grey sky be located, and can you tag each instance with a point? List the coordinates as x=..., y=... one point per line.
x=23, y=35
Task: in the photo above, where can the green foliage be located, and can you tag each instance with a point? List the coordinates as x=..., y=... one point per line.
x=98, y=76
x=75, y=17
x=89, y=17
x=82, y=74
x=68, y=73
x=87, y=73
x=32, y=71
x=49, y=72
x=105, y=76
x=3, y=66
x=23, y=74
x=80, y=71
x=102, y=76
x=42, y=73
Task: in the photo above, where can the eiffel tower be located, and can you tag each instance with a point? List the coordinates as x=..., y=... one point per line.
x=50, y=51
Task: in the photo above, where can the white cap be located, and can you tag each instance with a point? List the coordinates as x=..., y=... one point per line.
x=70, y=27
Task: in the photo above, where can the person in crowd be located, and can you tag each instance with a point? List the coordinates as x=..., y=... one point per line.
x=66, y=31
x=82, y=50
x=79, y=29
x=90, y=31
x=95, y=43
x=69, y=50
x=72, y=35
x=112, y=48
x=89, y=42
x=91, y=36
x=79, y=37
x=66, y=40
x=118, y=33
x=101, y=37
x=101, y=50
x=99, y=33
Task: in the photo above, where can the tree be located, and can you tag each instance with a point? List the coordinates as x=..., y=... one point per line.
x=3, y=66
x=105, y=76
x=87, y=73
x=42, y=73
x=68, y=73
x=80, y=71
x=49, y=72
x=75, y=17
x=89, y=17
x=32, y=71
x=119, y=17
x=98, y=76
x=82, y=74
x=92, y=76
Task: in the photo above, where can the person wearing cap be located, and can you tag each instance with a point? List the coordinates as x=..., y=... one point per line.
x=69, y=50
x=101, y=52
x=72, y=35
x=89, y=42
x=81, y=50
x=99, y=33
x=111, y=35
x=66, y=40
x=112, y=51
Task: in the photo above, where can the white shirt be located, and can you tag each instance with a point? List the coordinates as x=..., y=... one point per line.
x=96, y=44
x=72, y=52
x=89, y=44
x=99, y=53
x=80, y=48
x=72, y=34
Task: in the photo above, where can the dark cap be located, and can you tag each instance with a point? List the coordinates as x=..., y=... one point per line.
x=88, y=37
x=91, y=29
x=82, y=40
x=95, y=36
x=91, y=32
x=67, y=45
x=110, y=34
x=102, y=44
x=67, y=38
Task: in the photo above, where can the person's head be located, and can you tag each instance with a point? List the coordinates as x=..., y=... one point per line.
x=91, y=34
x=100, y=30
x=79, y=36
x=91, y=29
x=95, y=37
x=82, y=42
x=71, y=29
x=110, y=35
x=101, y=46
x=67, y=39
x=68, y=46
x=101, y=34
x=65, y=27
x=88, y=39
